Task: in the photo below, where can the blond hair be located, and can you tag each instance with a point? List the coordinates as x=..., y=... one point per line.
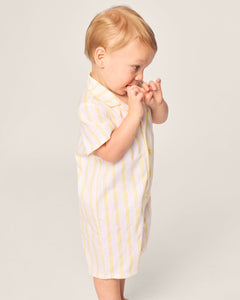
x=114, y=28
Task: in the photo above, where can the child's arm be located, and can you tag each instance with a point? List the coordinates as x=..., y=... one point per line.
x=154, y=99
x=160, y=113
x=122, y=137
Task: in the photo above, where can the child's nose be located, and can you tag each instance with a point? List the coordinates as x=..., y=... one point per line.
x=139, y=76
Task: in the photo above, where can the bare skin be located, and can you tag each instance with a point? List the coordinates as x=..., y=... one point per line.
x=109, y=289
x=122, y=284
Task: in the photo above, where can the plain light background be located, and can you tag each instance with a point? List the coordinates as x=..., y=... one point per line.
x=194, y=246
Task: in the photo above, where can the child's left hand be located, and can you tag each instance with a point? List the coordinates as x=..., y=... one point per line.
x=153, y=93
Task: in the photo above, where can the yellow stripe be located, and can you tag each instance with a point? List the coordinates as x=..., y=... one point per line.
x=95, y=136
x=108, y=223
x=142, y=171
x=86, y=108
x=100, y=165
x=101, y=93
x=83, y=189
x=89, y=248
x=99, y=226
x=95, y=250
x=85, y=104
x=117, y=221
x=113, y=118
x=141, y=160
x=127, y=215
x=136, y=201
x=111, y=126
x=110, y=99
x=79, y=111
x=147, y=139
x=94, y=220
x=120, y=112
x=83, y=237
x=104, y=133
x=82, y=194
x=150, y=171
x=148, y=210
x=86, y=135
x=79, y=147
x=86, y=238
x=85, y=99
x=144, y=134
x=79, y=166
x=148, y=168
x=99, y=97
x=94, y=87
x=98, y=112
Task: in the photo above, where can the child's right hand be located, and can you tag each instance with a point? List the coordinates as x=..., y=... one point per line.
x=135, y=101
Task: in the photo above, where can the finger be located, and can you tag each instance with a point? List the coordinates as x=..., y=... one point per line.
x=136, y=92
x=148, y=96
x=152, y=85
x=133, y=89
x=145, y=87
x=158, y=82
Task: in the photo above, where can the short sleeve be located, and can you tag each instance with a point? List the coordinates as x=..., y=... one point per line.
x=96, y=124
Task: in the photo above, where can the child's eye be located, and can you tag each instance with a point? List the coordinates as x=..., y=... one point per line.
x=136, y=67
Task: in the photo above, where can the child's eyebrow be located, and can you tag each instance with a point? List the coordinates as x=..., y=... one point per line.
x=139, y=61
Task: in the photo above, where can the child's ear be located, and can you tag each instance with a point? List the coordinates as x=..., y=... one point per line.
x=99, y=56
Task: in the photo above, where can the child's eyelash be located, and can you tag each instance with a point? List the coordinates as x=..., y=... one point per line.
x=136, y=67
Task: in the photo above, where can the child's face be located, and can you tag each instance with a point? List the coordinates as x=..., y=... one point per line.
x=125, y=66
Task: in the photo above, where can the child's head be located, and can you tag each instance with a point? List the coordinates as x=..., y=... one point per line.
x=114, y=28
x=120, y=46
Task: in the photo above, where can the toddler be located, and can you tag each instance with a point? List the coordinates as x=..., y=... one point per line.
x=115, y=150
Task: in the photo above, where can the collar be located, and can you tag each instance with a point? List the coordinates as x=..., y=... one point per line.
x=102, y=93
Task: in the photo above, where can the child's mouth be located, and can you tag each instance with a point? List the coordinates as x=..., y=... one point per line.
x=138, y=83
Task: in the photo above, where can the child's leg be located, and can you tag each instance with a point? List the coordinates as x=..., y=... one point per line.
x=122, y=283
x=107, y=289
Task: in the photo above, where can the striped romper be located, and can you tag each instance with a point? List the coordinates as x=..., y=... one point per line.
x=114, y=198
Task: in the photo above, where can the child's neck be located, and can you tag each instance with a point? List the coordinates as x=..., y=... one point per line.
x=96, y=76
x=123, y=98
